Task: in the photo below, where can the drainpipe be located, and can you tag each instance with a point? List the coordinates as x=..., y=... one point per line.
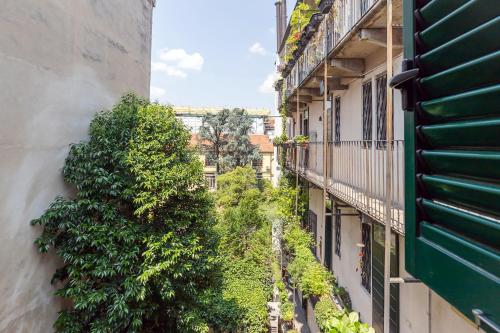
x=297, y=127
x=388, y=175
x=325, y=129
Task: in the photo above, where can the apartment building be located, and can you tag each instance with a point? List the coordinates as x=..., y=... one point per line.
x=335, y=91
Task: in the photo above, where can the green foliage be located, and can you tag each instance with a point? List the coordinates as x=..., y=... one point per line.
x=245, y=245
x=301, y=139
x=225, y=139
x=299, y=19
x=345, y=323
x=316, y=280
x=137, y=242
x=233, y=185
x=308, y=274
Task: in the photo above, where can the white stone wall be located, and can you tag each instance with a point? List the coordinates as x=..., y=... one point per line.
x=347, y=267
x=60, y=62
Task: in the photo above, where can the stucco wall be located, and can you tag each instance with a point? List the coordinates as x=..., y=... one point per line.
x=60, y=62
x=347, y=268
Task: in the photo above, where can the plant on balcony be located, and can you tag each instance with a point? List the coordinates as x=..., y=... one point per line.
x=302, y=140
x=299, y=19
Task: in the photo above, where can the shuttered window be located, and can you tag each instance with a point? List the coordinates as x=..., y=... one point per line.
x=452, y=162
x=381, y=85
x=367, y=111
x=337, y=119
x=366, y=265
x=338, y=231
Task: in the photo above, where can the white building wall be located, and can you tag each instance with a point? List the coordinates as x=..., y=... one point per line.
x=316, y=205
x=347, y=268
x=351, y=101
x=415, y=316
x=60, y=63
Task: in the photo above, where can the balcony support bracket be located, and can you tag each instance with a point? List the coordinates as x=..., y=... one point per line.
x=354, y=66
x=378, y=36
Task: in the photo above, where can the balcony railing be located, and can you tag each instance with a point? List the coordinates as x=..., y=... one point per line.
x=343, y=16
x=356, y=174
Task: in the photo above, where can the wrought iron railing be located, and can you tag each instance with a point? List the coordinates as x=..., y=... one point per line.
x=356, y=174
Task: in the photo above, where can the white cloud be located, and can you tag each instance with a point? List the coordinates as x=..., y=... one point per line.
x=167, y=69
x=257, y=48
x=267, y=87
x=179, y=58
x=156, y=93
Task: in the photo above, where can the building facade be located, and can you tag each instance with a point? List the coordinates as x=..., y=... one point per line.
x=334, y=90
x=61, y=62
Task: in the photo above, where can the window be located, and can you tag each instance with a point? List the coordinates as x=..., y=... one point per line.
x=337, y=119
x=381, y=84
x=312, y=226
x=366, y=272
x=367, y=111
x=257, y=164
x=305, y=130
x=338, y=235
x=210, y=180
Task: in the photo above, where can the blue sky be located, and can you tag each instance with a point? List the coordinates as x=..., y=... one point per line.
x=214, y=53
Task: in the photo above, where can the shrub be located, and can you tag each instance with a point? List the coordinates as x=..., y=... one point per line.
x=136, y=242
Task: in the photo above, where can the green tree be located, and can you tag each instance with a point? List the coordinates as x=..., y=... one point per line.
x=225, y=139
x=213, y=136
x=239, y=150
x=137, y=245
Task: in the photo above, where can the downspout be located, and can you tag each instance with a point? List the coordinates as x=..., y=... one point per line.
x=388, y=175
x=325, y=128
x=297, y=126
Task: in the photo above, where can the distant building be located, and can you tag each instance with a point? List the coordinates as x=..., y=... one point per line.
x=192, y=117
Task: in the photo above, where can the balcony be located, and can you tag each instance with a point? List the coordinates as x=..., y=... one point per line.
x=356, y=174
x=347, y=31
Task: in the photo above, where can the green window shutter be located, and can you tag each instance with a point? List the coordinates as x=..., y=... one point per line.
x=451, y=93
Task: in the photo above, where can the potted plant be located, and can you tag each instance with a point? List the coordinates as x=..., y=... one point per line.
x=301, y=140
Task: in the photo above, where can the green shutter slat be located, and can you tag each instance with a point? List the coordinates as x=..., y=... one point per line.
x=436, y=9
x=478, y=164
x=452, y=151
x=464, y=285
x=471, y=252
x=475, y=227
x=465, y=18
x=467, y=133
x=473, y=44
x=463, y=77
x=459, y=191
x=475, y=103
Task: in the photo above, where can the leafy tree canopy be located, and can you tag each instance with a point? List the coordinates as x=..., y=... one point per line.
x=225, y=139
x=137, y=241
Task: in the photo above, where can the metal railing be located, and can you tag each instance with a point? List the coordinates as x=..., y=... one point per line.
x=343, y=16
x=356, y=174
